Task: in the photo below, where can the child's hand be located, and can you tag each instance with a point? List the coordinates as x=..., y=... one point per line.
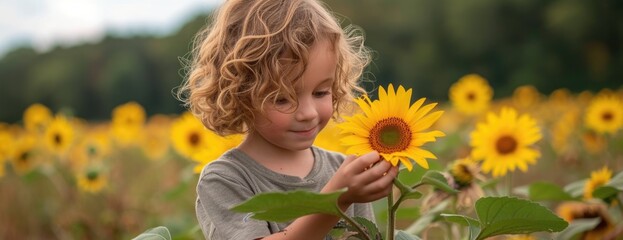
x=365, y=180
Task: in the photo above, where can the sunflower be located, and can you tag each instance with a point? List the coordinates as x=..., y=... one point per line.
x=25, y=157
x=525, y=97
x=127, y=123
x=393, y=127
x=503, y=142
x=193, y=141
x=93, y=147
x=92, y=179
x=216, y=149
x=570, y=211
x=562, y=131
x=471, y=94
x=605, y=114
x=593, y=142
x=461, y=175
x=6, y=146
x=59, y=135
x=327, y=138
x=155, y=142
x=598, y=179
x=37, y=117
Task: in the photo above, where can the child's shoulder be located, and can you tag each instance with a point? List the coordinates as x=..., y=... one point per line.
x=229, y=163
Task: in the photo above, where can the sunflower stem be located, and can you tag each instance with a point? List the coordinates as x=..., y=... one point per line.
x=390, y=215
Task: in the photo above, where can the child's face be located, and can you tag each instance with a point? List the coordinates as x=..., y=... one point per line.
x=284, y=128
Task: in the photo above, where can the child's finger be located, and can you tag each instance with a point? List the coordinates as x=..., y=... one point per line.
x=364, y=162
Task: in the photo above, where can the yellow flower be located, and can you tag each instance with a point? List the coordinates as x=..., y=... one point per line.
x=393, y=127
x=562, y=131
x=329, y=137
x=464, y=171
x=6, y=148
x=218, y=146
x=605, y=114
x=59, y=135
x=571, y=211
x=526, y=96
x=598, y=179
x=95, y=146
x=593, y=142
x=471, y=94
x=127, y=123
x=462, y=175
x=504, y=142
x=25, y=155
x=92, y=180
x=37, y=117
x=155, y=141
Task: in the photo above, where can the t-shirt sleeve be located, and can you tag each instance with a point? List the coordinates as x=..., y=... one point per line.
x=216, y=194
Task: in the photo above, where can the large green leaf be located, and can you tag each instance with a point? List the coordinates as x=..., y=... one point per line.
x=286, y=206
x=157, y=233
x=507, y=215
x=547, y=191
x=369, y=227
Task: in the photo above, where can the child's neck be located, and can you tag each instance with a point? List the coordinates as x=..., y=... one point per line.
x=284, y=161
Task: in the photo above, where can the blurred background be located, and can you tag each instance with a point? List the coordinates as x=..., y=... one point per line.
x=87, y=59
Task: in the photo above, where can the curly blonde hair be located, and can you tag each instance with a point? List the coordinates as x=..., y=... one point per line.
x=255, y=51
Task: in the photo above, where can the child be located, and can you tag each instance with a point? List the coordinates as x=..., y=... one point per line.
x=277, y=70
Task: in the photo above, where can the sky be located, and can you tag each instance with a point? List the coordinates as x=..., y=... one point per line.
x=44, y=24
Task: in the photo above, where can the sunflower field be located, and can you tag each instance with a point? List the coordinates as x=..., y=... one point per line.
x=62, y=177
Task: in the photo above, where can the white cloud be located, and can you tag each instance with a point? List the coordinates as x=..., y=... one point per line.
x=46, y=23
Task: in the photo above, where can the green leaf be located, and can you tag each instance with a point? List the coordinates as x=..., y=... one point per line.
x=157, y=233
x=578, y=226
x=547, y=191
x=472, y=224
x=402, y=235
x=286, y=206
x=507, y=215
x=605, y=192
x=437, y=180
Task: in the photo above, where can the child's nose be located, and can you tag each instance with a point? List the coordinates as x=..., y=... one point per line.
x=306, y=110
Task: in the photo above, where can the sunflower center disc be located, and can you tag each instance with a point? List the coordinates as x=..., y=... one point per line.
x=193, y=139
x=607, y=116
x=506, y=145
x=390, y=135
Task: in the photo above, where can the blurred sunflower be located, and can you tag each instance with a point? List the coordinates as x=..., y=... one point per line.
x=525, y=97
x=155, y=141
x=193, y=141
x=6, y=147
x=329, y=137
x=504, y=141
x=37, y=117
x=520, y=237
x=471, y=94
x=598, y=179
x=393, y=127
x=605, y=114
x=570, y=211
x=25, y=154
x=593, y=142
x=127, y=123
x=216, y=149
x=59, y=135
x=91, y=179
x=94, y=146
x=461, y=175
x=562, y=130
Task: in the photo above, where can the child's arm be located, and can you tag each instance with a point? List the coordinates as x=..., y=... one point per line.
x=364, y=185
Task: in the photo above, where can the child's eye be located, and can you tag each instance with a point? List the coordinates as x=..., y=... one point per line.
x=320, y=94
x=281, y=101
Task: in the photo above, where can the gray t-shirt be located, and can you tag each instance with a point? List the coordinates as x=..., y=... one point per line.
x=235, y=177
